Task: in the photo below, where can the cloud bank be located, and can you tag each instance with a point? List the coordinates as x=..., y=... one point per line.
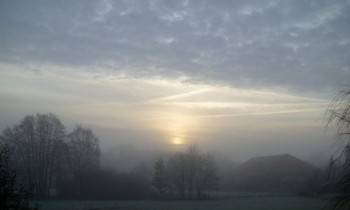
x=299, y=45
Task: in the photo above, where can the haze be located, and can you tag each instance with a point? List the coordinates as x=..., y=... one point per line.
x=245, y=78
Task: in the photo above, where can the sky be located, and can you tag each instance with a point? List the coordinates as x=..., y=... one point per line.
x=246, y=78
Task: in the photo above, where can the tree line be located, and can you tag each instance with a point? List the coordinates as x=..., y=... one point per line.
x=51, y=162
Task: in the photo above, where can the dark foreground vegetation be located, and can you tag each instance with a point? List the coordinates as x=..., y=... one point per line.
x=12, y=194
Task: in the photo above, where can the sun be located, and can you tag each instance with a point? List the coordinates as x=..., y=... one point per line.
x=177, y=140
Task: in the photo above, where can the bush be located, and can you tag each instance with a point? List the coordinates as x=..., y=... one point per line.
x=12, y=195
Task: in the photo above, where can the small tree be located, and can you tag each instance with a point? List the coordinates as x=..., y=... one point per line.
x=159, y=177
x=12, y=195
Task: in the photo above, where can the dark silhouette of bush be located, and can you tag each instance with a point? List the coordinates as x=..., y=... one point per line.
x=13, y=196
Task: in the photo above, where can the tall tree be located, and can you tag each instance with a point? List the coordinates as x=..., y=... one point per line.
x=38, y=143
x=176, y=173
x=192, y=171
x=84, y=155
x=192, y=167
x=206, y=178
x=339, y=117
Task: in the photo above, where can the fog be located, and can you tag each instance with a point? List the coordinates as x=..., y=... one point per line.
x=158, y=114
x=151, y=79
x=242, y=78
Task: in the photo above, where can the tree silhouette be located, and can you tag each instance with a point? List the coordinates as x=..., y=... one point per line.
x=37, y=143
x=339, y=116
x=159, y=177
x=84, y=156
x=192, y=172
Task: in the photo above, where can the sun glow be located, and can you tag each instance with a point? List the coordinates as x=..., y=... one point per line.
x=180, y=128
x=177, y=140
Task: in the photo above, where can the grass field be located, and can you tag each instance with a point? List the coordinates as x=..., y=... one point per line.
x=244, y=203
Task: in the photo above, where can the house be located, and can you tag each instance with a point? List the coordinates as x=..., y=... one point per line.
x=282, y=173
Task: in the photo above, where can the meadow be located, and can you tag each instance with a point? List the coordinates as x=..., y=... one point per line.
x=242, y=203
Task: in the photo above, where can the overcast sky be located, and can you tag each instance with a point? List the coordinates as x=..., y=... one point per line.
x=244, y=77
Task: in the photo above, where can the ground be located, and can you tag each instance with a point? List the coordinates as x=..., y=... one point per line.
x=244, y=203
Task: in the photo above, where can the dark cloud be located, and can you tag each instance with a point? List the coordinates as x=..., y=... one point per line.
x=295, y=44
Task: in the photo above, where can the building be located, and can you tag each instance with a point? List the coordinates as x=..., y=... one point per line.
x=280, y=173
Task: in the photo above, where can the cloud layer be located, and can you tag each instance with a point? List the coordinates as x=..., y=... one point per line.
x=301, y=45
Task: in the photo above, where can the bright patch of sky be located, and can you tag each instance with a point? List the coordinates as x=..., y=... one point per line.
x=256, y=75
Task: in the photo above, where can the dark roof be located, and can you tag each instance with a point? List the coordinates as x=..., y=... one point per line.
x=275, y=164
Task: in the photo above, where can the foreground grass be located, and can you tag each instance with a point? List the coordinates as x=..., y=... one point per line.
x=246, y=203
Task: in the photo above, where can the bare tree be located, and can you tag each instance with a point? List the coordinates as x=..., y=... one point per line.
x=206, y=178
x=159, y=177
x=84, y=155
x=37, y=143
x=191, y=172
x=193, y=161
x=339, y=116
x=176, y=173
